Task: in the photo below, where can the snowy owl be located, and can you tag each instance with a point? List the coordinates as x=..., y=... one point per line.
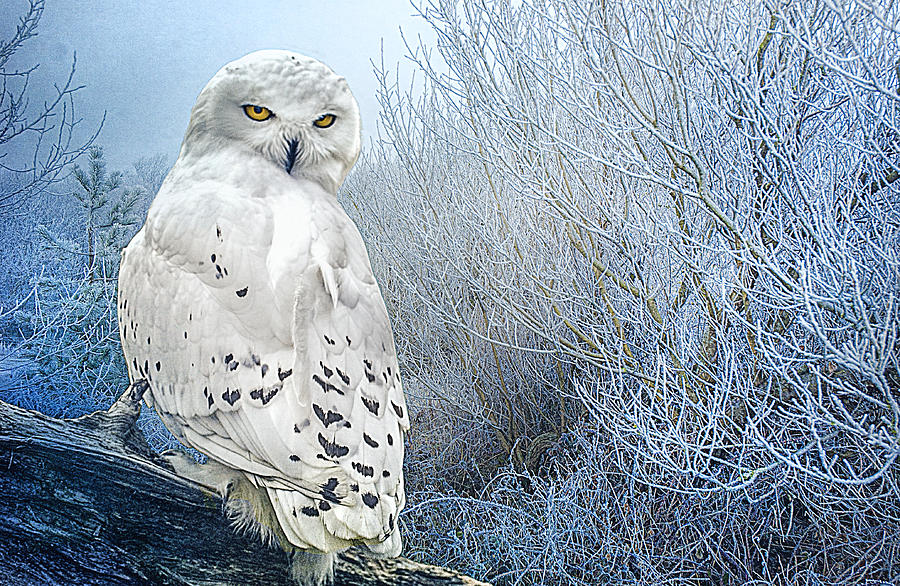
x=248, y=304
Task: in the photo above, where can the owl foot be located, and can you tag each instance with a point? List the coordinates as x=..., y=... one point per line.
x=247, y=507
x=311, y=568
x=211, y=475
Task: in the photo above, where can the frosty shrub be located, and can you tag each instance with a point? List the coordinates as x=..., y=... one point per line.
x=70, y=339
x=642, y=261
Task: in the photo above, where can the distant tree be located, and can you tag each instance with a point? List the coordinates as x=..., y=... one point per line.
x=71, y=338
x=38, y=144
x=149, y=173
x=107, y=211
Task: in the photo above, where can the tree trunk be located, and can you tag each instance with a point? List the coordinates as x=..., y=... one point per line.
x=86, y=501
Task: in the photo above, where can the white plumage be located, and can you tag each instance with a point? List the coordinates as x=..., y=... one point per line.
x=248, y=303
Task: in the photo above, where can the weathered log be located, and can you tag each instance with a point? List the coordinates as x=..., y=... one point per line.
x=86, y=501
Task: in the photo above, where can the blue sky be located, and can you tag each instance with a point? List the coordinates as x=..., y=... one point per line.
x=144, y=63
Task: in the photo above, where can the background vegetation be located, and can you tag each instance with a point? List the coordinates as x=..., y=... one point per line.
x=642, y=262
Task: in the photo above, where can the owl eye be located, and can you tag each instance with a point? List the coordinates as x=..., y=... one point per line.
x=325, y=120
x=258, y=113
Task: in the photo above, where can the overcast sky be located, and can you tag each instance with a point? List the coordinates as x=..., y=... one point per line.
x=144, y=62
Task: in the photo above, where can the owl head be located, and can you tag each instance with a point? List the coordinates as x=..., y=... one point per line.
x=292, y=110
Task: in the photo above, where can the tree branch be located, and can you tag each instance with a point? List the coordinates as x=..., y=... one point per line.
x=86, y=501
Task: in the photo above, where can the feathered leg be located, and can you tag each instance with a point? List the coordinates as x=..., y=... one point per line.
x=250, y=512
x=312, y=569
x=246, y=506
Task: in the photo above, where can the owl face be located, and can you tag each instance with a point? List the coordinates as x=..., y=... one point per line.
x=291, y=110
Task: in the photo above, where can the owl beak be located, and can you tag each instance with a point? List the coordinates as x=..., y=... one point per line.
x=293, y=149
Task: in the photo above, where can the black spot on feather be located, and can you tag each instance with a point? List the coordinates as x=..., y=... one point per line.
x=328, y=372
x=158, y=366
x=363, y=469
x=390, y=439
x=326, y=386
x=397, y=409
x=264, y=369
x=295, y=458
x=264, y=395
x=323, y=505
x=369, y=440
x=343, y=376
x=326, y=418
x=310, y=511
x=371, y=404
x=231, y=397
x=327, y=492
x=241, y=292
x=229, y=358
x=370, y=499
x=333, y=449
x=370, y=377
x=284, y=374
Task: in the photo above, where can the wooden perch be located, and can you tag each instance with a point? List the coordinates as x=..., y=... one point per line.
x=86, y=501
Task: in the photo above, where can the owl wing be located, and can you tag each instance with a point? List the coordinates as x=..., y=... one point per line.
x=267, y=346
x=347, y=381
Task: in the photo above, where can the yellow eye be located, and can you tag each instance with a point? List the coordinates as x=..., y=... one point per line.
x=325, y=120
x=257, y=113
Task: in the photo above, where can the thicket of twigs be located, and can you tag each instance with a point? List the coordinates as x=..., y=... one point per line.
x=642, y=264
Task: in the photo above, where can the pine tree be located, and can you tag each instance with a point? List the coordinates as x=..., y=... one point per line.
x=73, y=348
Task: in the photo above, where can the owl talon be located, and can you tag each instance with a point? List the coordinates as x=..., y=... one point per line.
x=210, y=475
x=180, y=461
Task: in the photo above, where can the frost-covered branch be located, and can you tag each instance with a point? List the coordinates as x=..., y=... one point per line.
x=671, y=222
